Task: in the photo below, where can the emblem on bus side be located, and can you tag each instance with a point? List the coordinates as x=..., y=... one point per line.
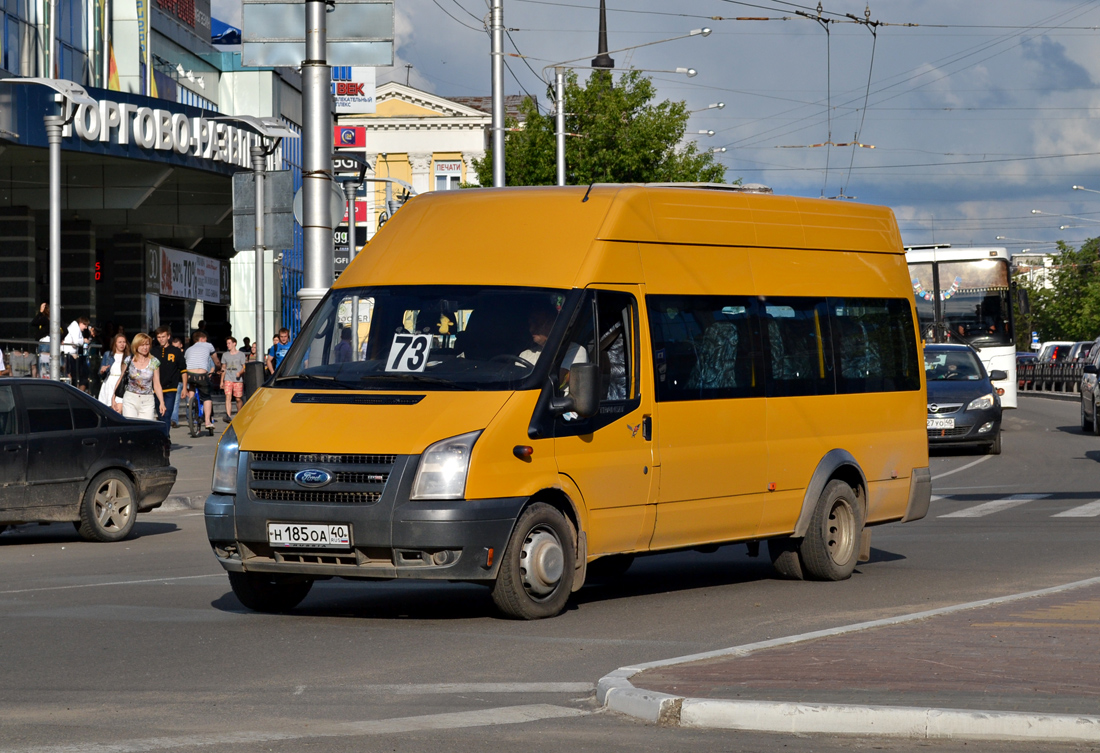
x=312, y=477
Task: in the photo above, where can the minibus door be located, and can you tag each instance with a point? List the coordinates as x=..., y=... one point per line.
x=610, y=456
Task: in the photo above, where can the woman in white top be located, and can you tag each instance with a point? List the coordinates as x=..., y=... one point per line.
x=110, y=370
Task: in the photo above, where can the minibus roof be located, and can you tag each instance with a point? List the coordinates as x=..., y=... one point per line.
x=543, y=236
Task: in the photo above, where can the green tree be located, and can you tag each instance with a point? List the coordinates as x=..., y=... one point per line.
x=621, y=137
x=1070, y=308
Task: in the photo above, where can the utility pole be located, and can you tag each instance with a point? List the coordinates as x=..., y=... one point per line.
x=559, y=106
x=497, y=27
x=316, y=162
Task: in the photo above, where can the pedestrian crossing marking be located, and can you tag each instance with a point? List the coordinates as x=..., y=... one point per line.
x=1091, y=510
x=988, y=508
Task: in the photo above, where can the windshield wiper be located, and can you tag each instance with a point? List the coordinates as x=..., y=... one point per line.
x=417, y=378
x=327, y=381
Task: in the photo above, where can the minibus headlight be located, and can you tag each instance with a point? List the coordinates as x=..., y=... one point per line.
x=443, y=468
x=981, y=403
x=225, y=464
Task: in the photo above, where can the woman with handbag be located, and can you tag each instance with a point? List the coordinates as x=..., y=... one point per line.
x=111, y=368
x=140, y=382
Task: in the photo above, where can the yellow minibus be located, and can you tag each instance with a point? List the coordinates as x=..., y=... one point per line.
x=509, y=386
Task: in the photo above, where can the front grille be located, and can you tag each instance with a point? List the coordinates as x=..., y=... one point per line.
x=340, y=478
x=294, y=495
x=957, y=432
x=935, y=409
x=298, y=457
x=355, y=479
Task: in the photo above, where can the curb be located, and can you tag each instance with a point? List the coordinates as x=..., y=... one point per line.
x=1063, y=396
x=616, y=693
x=180, y=502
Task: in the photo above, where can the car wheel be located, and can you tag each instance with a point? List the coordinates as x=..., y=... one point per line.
x=1086, y=424
x=1095, y=423
x=536, y=572
x=108, y=509
x=830, y=548
x=783, y=552
x=268, y=593
x=612, y=566
x=995, y=448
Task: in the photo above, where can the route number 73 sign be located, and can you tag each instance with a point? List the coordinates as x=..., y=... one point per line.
x=409, y=352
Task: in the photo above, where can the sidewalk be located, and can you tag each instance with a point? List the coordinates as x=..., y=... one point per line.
x=193, y=458
x=1022, y=667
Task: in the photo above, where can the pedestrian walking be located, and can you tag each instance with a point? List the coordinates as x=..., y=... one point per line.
x=72, y=346
x=232, y=377
x=134, y=397
x=177, y=343
x=112, y=367
x=171, y=366
x=279, y=347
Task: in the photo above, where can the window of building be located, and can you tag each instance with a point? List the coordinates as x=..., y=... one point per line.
x=448, y=174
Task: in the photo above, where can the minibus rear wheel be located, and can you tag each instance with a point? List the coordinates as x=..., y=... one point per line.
x=268, y=593
x=536, y=572
x=783, y=551
x=830, y=548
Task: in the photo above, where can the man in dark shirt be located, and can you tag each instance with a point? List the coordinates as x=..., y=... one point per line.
x=171, y=365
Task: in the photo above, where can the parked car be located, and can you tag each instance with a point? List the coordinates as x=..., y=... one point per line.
x=1055, y=350
x=963, y=406
x=1080, y=350
x=67, y=457
x=1090, y=393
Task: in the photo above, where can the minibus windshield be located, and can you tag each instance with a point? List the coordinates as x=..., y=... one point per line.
x=423, y=337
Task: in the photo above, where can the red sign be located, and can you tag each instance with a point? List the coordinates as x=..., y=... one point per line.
x=360, y=213
x=349, y=137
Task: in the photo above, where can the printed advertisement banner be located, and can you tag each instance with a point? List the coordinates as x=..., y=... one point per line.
x=349, y=137
x=181, y=274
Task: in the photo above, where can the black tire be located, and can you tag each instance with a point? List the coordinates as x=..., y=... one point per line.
x=194, y=423
x=274, y=594
x=783, y=552
x=536, y=571
x=995, y=448
x=830, y=548
x=1095, y=423
x=611, y=566
x=109, y=508
x=1086, y=424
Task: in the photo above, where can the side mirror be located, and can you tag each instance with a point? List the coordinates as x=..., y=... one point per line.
x=583, y=398
x=1090, y=369
x=998, y=375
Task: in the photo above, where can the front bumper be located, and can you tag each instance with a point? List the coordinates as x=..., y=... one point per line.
x=391, y=538
x=152, y=486
x=967, y=425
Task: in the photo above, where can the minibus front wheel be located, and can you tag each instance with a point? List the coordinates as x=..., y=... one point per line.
x=536, y=572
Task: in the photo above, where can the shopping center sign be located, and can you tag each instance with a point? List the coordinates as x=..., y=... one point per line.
x=182, y=274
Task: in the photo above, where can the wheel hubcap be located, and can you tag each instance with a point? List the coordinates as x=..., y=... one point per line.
x=113, y=505
x=542, y=561
x=840, y=531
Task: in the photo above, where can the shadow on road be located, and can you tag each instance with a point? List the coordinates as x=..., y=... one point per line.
x=49, y=533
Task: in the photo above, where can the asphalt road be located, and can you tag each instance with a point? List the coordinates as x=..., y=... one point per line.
x=141, y=645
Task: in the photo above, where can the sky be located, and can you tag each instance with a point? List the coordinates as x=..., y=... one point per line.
x=979, y=112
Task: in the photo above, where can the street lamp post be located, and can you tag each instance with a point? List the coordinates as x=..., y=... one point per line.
x=70, y=95
x=275, y=130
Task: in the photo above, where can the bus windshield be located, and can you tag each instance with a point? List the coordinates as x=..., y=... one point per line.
x=439, y=337
x=970, y=297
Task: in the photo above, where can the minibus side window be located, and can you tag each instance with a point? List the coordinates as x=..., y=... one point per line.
x=874, y=344
x=704, y=347
x=798, y=346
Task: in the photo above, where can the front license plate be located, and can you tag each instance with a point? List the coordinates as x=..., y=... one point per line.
x=309, y=535
x=941, y=423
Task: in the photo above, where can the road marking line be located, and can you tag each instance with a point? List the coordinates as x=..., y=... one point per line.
x=988, y=508
x=1090, y=510
x=459, y=720
x=447, y=688
x=963, y=467
x=112, y=583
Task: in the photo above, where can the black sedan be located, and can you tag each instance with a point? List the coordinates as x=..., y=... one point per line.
x=963, y=405
x=67, y=457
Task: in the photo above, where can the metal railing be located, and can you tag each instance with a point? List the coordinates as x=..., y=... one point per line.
x=1048, y=376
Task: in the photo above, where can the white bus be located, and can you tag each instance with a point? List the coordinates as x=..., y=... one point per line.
x=964, y=295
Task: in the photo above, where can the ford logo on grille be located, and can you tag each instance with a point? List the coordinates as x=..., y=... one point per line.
x=312, y=477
